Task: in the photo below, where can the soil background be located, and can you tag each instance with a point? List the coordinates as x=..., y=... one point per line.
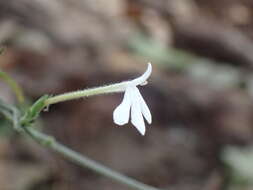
x=200, y=92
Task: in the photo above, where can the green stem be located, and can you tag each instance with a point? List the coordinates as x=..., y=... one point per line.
x=118, y=87
x=83, y=161
x=13, y=114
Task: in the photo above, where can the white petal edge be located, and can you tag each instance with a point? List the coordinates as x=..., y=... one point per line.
x=144, y=108
x=122, y=112
x=142, y=79
x=136, y=115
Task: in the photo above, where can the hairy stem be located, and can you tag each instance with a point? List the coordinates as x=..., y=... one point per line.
x=118, y=87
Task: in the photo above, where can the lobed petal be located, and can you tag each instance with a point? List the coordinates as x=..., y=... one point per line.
x=122, y=112
x=144, y=108
x=136, y=114
x=142, y=79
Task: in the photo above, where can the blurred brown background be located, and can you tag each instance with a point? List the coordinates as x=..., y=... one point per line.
x=200, y=92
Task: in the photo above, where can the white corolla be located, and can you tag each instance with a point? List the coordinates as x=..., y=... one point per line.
x=134, y=103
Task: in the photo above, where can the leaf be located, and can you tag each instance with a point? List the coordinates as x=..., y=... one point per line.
x=33, y=112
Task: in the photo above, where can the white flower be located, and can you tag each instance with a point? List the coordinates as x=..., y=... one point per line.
x=133, y=102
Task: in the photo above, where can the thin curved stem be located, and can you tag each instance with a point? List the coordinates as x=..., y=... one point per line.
x=83, y=161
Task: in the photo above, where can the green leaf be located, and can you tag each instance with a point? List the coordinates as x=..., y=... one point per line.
x=33, y=112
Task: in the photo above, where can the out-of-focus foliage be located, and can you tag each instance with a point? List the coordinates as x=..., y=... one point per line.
x=240, y=166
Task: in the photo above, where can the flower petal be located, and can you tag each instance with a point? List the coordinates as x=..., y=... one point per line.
x=136, y=116
x=142, y=79
x=144, y=108
x=121, y=113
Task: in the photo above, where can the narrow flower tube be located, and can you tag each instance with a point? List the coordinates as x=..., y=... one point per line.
x=132, y=104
